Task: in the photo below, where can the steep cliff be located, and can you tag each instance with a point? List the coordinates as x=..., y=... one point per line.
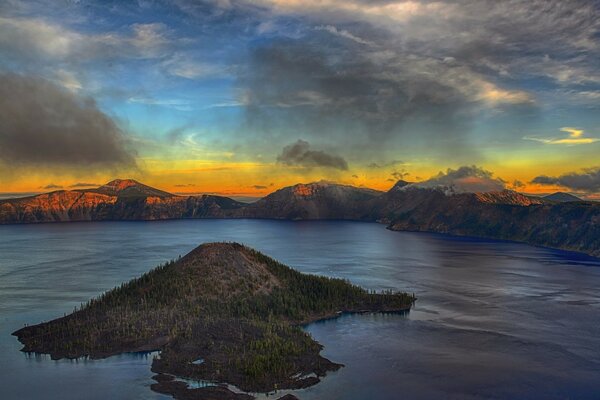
x=117, y=200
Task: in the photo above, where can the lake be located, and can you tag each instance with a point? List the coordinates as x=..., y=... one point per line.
x=494, y=319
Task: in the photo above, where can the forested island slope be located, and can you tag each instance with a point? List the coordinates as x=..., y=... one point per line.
x=230, y=306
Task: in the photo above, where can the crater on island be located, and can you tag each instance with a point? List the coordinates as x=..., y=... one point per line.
x=232, y=307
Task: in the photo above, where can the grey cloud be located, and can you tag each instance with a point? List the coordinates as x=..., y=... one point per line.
x=321, y=76
x=29, y=39
x=369, y=99
x=588, y=180
x=176, y=134
x=465, y=179
x=42, y=124
x=51, y=186
x=399, y=174
x=500, y=38
x=334, y=87
x=345, y=34
x=392, y=163
x=545, y=180
x=301, y=154
x=517, y=184
x=258, y=187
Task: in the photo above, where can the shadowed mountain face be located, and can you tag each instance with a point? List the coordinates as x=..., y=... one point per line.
x=399, y=201
x=498, y=215
x=319, y=200
x=502, y=215
x=561, y=197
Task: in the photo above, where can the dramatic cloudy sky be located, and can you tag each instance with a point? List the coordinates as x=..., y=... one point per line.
x=241, y=97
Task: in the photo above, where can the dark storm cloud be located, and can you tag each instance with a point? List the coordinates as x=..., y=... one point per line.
x=301, y=154
x=330, y=86
x=43, y=124
x=359, y=74
x=587, y=180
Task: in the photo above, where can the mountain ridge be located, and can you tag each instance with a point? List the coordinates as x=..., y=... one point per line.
x=505, y=214
x=562, y=197
x=128, y=188
x=316, y=200
x=119, y=199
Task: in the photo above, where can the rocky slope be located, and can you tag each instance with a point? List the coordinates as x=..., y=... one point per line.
x=117, y=200
x=400, y=201
x=230, y=306
x=128, y=188
x=561, y=197
x=497, y=215
x=319, y=200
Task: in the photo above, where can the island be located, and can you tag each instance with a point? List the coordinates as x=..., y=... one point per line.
x=224, y=314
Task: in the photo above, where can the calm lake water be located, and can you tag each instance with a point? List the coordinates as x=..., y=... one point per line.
x=493, y=320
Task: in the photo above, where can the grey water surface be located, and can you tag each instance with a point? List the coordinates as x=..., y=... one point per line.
x=494, y=320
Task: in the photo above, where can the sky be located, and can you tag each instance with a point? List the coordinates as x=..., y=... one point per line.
x=243, y=97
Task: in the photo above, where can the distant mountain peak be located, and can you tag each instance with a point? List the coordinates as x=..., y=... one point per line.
x=562, y=197
x=505, y=196
x=121, y=184
x=129, y=188
x=399, y=185
x=309, y=189
x=315, y=200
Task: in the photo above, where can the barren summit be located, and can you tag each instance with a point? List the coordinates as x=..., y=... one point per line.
x=129, y=188
x=224, y=313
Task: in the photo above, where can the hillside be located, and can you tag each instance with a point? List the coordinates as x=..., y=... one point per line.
x=232, y=307
x=403, y=200
x=497, y=215
x=561, y=197
x=555, y=221
x=117, y=200
x=128, y=188
x=318, y=200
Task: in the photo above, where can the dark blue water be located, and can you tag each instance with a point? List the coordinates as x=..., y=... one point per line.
x=493, y=320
